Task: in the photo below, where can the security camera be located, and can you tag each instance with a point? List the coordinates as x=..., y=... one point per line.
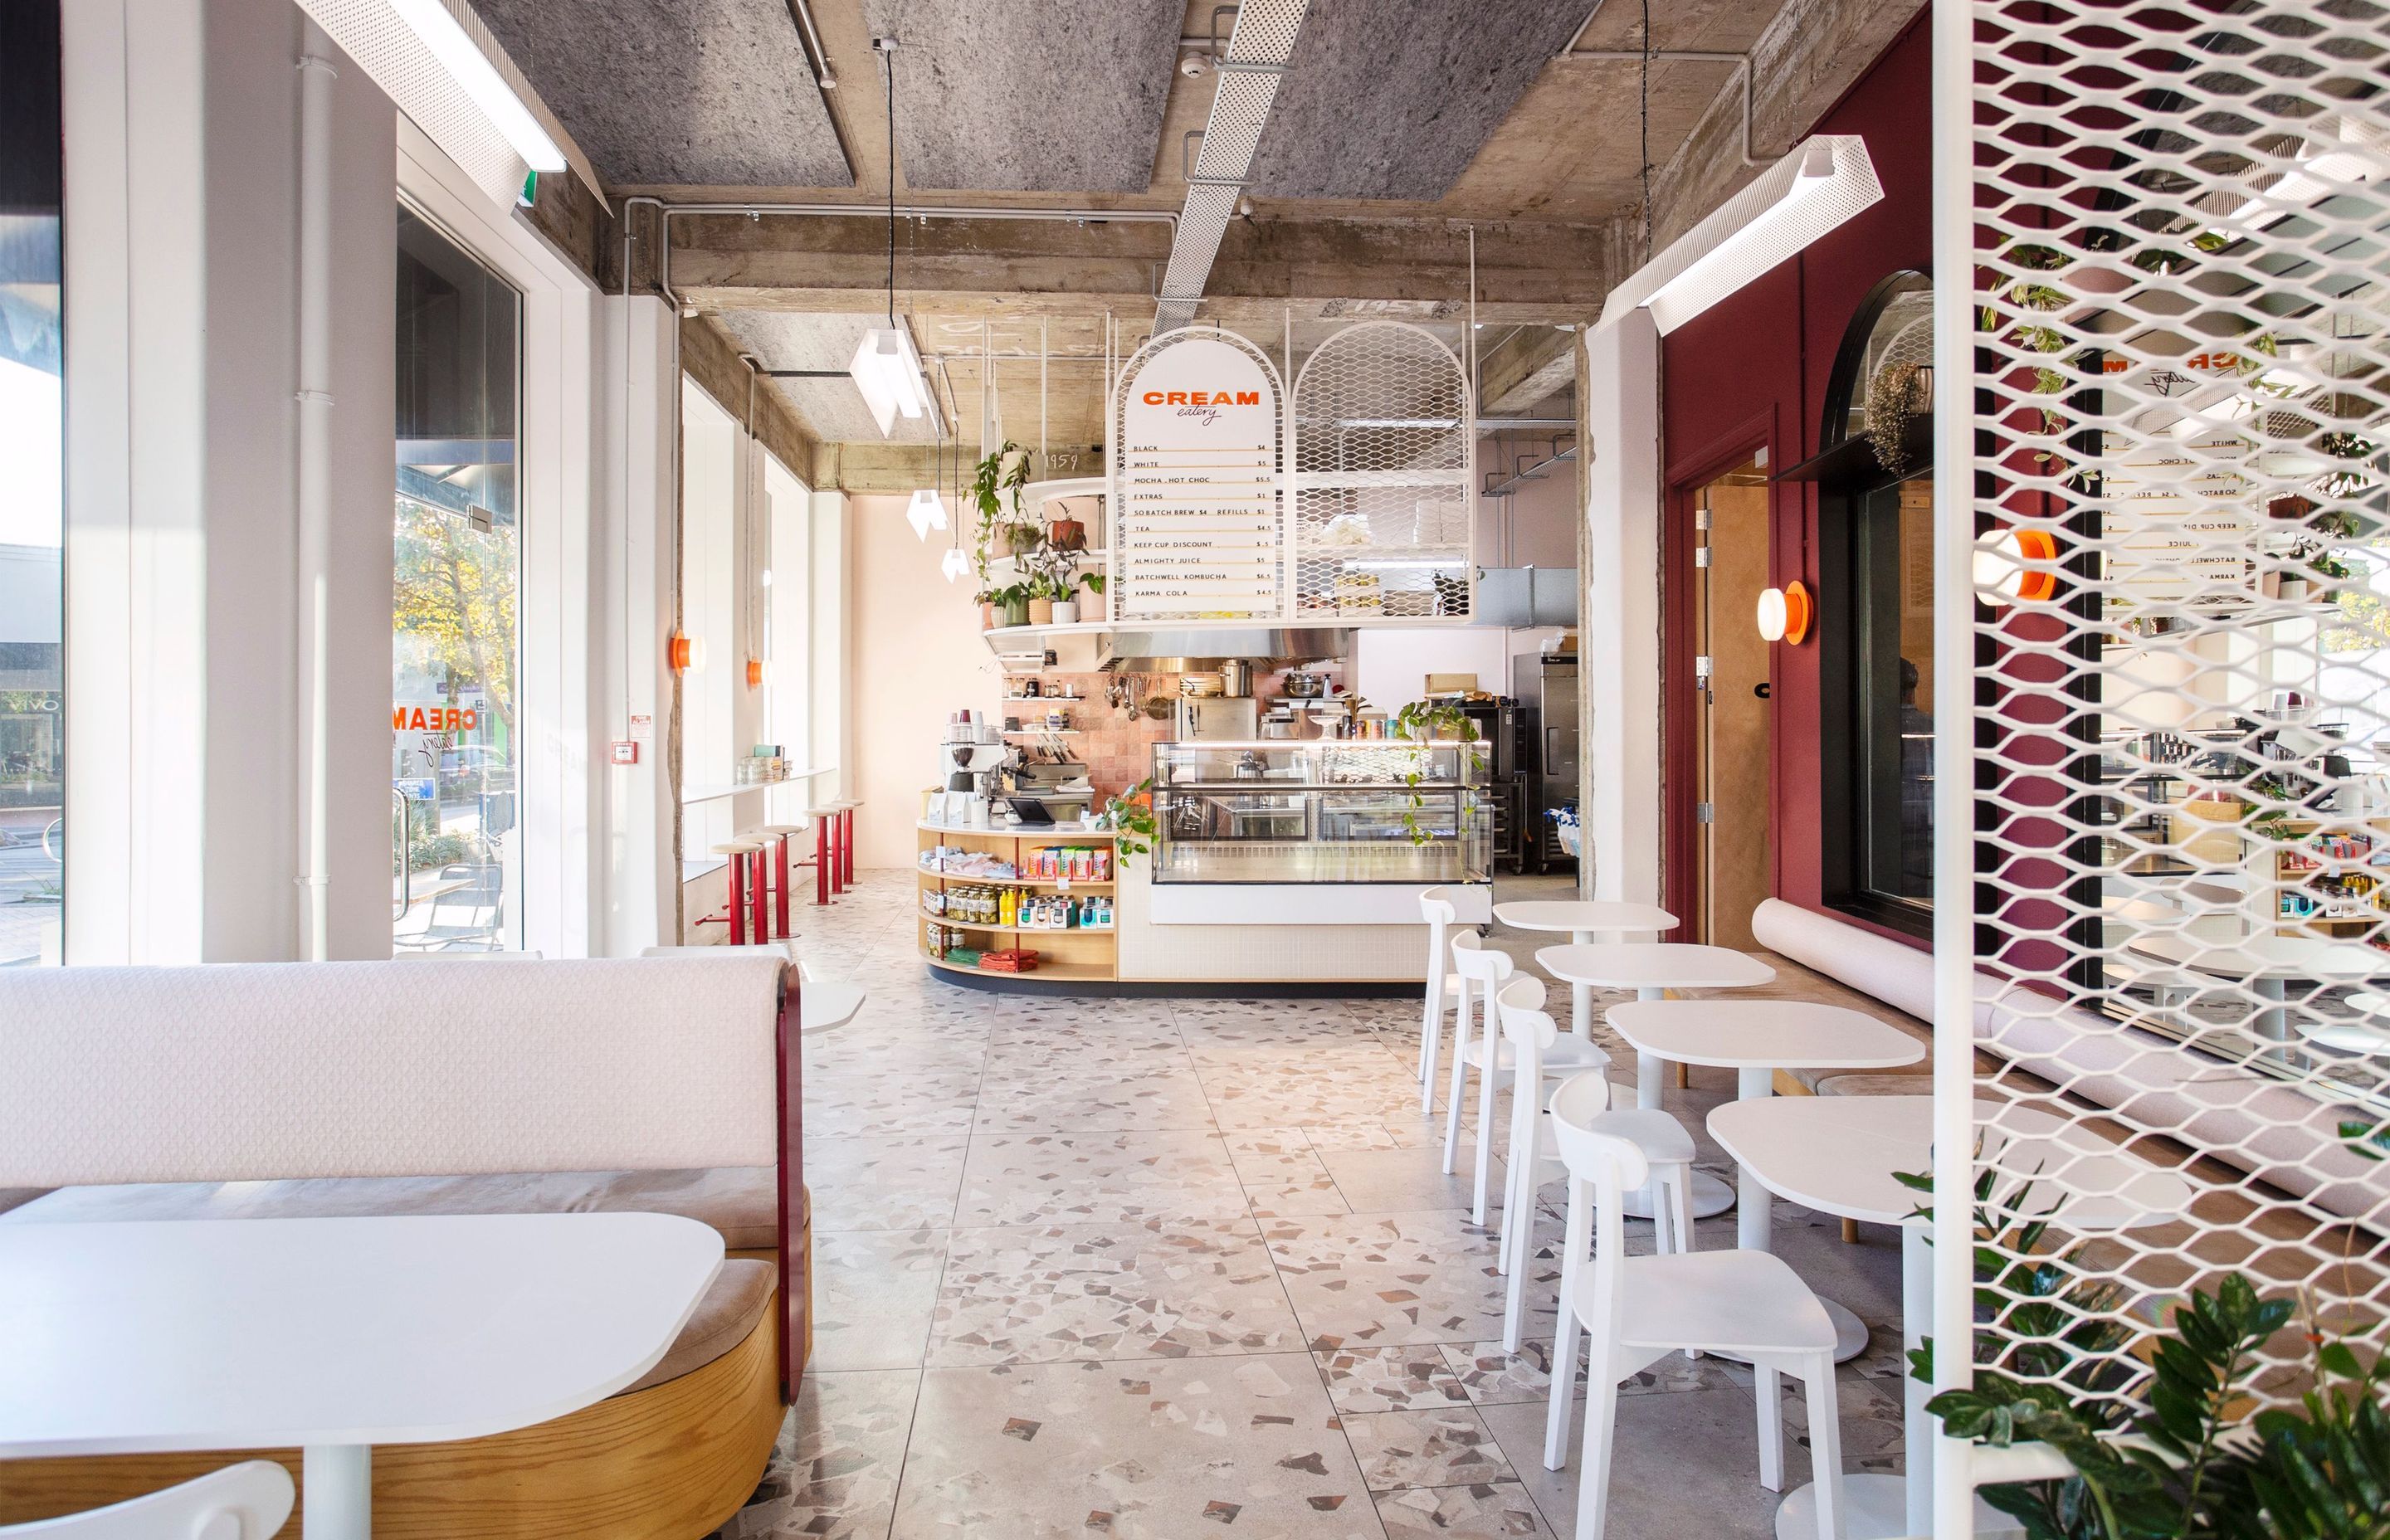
x=1192, y=65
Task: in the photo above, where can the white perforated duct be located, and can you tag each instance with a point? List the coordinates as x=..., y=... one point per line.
x=389, y=52
x=1249, y=73
x=2163, y=726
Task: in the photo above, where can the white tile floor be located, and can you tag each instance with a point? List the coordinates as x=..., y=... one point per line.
x=1136, y=1268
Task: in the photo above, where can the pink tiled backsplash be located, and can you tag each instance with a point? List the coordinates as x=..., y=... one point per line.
x=1116, y=745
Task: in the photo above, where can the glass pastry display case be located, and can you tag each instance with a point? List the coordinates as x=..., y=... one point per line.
x=1321, y=810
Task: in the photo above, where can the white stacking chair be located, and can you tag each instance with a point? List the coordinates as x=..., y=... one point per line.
x=1483, y=970
x=1638, y=1310
x=1444, y=991
x=248, y=1501
x=1535, y=1153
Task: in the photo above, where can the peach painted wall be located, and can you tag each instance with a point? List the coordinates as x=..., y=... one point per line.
x=916, y=655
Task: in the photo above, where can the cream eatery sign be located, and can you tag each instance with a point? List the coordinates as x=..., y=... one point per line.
x=1197, y=482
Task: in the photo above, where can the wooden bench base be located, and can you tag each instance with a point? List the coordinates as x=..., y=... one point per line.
x=672, y=1462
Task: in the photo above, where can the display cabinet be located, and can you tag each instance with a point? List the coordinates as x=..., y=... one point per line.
x=1343, y=812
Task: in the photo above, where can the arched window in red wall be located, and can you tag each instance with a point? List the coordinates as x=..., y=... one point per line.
x=1875, y=490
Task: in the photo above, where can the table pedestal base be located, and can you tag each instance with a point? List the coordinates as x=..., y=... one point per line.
x=337, y=1494
x=1850, y=1333
x=1710, y=1198
x=1875, y=1507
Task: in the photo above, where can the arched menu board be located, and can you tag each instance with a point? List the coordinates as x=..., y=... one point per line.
x=1197, y=483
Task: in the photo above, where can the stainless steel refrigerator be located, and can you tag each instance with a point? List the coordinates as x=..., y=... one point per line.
x=1548, y=749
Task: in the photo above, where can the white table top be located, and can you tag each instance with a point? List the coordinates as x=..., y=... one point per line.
x=1573, y=915
x=1837, y=1154
x=1775, y=1034
x=265, y=1333
x=2263, y=956
x=1654, y=964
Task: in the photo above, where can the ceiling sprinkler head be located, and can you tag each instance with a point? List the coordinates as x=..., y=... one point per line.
x=1192, y=65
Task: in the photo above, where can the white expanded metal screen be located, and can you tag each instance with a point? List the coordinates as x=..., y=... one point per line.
x=2180, y=667
x=1382, y=435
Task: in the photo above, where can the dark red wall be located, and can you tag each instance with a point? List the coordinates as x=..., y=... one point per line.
x=1750, y=373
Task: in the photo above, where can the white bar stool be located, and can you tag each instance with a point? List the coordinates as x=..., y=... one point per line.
x=1444, y=990
x=1488, y=969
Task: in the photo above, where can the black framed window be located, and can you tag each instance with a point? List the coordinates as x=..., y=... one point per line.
x=1875, y=487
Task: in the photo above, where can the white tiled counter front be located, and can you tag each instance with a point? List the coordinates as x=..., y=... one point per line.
x=1278, y=933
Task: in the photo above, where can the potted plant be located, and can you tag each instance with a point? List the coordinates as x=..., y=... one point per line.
x=1066, y=602
x=1094, y=584
x=1012, y=604
x=1041, y=590
x=1066, y=534
x=1424, y=722
x=986, y=599
x=1130, y=818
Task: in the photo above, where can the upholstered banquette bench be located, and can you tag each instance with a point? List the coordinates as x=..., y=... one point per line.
x=666, y=1084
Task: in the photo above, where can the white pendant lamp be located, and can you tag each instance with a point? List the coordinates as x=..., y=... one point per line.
x=1817, y=185
x=888, y=371
x=886, y=367
x=926, y=512
x=954, y=564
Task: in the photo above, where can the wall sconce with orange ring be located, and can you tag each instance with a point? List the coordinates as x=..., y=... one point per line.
x=754, y=673
x=2003, y=573
x=685, y=653
x=1785, y=613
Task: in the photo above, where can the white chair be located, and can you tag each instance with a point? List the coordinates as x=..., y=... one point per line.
x=248, y=1501
x=1535, y=1153
x=1444, y=990
x=1483, y=970
x=1638, y=1310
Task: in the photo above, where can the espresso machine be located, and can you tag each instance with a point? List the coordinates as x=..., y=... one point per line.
x=970, y=761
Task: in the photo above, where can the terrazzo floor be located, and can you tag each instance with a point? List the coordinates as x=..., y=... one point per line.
x=1189, y=1268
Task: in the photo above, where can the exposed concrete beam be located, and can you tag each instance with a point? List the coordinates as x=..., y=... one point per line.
x=1525, y=272
x=1523, y=369
x=909, y=466
x=709, y=356
x=1810, y=54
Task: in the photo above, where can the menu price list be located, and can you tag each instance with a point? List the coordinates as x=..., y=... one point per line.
x=1197, y=533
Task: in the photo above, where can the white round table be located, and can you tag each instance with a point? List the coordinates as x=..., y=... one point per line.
x=1838, y=1154
x=2268, y=964
x=1755, y=1038
x=1651, y=968
x=1582, y=920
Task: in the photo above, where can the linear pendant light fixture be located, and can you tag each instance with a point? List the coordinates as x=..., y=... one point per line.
x=886, y=367
x=1817, y=185
x=437, y=29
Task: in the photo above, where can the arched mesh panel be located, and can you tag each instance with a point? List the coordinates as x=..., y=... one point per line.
x=2179, y=734
x=1382, y=435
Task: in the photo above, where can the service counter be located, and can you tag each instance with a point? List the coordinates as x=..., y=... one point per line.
x=1271, y=862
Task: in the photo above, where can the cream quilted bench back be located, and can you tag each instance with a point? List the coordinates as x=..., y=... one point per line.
x=243, y=1072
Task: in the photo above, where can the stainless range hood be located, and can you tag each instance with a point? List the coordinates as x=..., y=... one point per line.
x=1191, y=651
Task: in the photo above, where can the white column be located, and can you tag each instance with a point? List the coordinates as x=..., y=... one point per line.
x=1619, y=640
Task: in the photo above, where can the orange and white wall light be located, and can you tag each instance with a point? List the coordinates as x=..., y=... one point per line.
x=1786, y=613
x=2016, y=566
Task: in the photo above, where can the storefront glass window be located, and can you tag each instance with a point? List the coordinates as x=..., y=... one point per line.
x=1894, y=750
x=33, y=610
x=456, y=854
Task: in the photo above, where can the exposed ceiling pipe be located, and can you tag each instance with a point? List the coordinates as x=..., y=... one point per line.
x=1259, y=47
x=816, y=55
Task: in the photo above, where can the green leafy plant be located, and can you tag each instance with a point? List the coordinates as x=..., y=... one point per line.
x=1130, y=815
x=1424, y=722
x=2174, y=1460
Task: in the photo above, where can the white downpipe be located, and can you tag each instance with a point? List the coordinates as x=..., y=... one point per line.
x=316, y=74
x=1954, y=751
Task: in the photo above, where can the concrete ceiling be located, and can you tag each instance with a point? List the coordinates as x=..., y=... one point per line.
x=995, y=95
x=695, y=93
x=1394, y=101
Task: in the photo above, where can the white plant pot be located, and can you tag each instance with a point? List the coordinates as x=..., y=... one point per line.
x=1066, y=613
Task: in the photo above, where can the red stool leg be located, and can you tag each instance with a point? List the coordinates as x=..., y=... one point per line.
x=821, y=860
x=846, y=834
x=780, y=883
x=755, y=896
x=738, y=864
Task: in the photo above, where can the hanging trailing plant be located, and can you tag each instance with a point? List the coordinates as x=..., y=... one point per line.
x=1424, y=723
x=1897, y=397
